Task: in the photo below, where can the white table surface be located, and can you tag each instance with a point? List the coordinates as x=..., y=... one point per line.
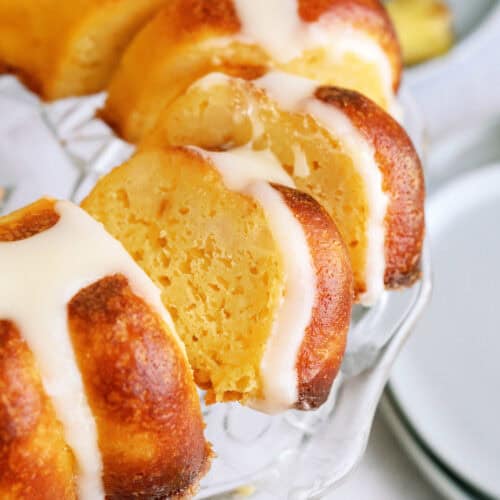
x=385, y=472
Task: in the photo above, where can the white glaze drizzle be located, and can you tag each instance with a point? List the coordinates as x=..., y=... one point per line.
x=242, y=166
x=39, y=277
x=296, y=94
x=208, y=81
x=362, y=154
x=278, y=28
x=300, y=165
x=249, y=172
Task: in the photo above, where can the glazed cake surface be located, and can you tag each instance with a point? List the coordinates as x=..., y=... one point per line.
x=259, y=266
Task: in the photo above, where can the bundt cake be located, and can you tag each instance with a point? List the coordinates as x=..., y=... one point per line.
x=350, y=43
x=253, y=272
x=337, y=145
x=65, y=48
x=98, y=399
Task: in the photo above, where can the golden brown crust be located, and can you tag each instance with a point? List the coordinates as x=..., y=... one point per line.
x=196, y=15
x=28, y=221
x=368, y=15
x=324, y=342
x=28, y=79
x=403, y=181
x=35, y=462
x=140, y=389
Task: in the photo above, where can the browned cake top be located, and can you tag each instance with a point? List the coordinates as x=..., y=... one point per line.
x=403, y=181
x=28, y=221
x=138, y=386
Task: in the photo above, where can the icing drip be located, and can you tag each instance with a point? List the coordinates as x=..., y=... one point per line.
x=40, y=276
x=300, y=165
x=284, y=40
x=250, y=172
x=240, y=167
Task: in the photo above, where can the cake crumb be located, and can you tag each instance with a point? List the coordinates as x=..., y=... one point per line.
x=245, y=491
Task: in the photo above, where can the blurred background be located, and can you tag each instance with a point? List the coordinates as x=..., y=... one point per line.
x=436, y=434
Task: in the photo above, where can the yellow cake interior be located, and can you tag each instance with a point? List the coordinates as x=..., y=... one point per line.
x=211, y=252
x=228, y=115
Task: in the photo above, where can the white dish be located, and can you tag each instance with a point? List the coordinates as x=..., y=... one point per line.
x=477, y=144
x=446, y=380
x=432, y=469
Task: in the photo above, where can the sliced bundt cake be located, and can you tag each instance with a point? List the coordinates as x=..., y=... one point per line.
x=253, y=272
x=98, y=400
x=66, y=48
x=337, y=145
x=350, y=43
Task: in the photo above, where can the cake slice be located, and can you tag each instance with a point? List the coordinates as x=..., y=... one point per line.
x=97, y=396
x=253, y=272
x=350, y=43
x=67, y=48
x=337, y=145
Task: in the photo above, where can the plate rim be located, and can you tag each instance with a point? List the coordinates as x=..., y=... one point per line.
x=446, y=481
x=450, y=480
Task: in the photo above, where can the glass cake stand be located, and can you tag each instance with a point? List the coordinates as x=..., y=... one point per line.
x=60, y=149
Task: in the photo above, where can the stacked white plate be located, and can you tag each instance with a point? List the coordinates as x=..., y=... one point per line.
x=444, y=394
x=443, y=400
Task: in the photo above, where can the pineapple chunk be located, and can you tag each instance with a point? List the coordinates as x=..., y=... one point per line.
x=424, y=28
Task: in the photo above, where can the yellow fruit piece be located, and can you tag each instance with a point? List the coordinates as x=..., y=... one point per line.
x=424, y=28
